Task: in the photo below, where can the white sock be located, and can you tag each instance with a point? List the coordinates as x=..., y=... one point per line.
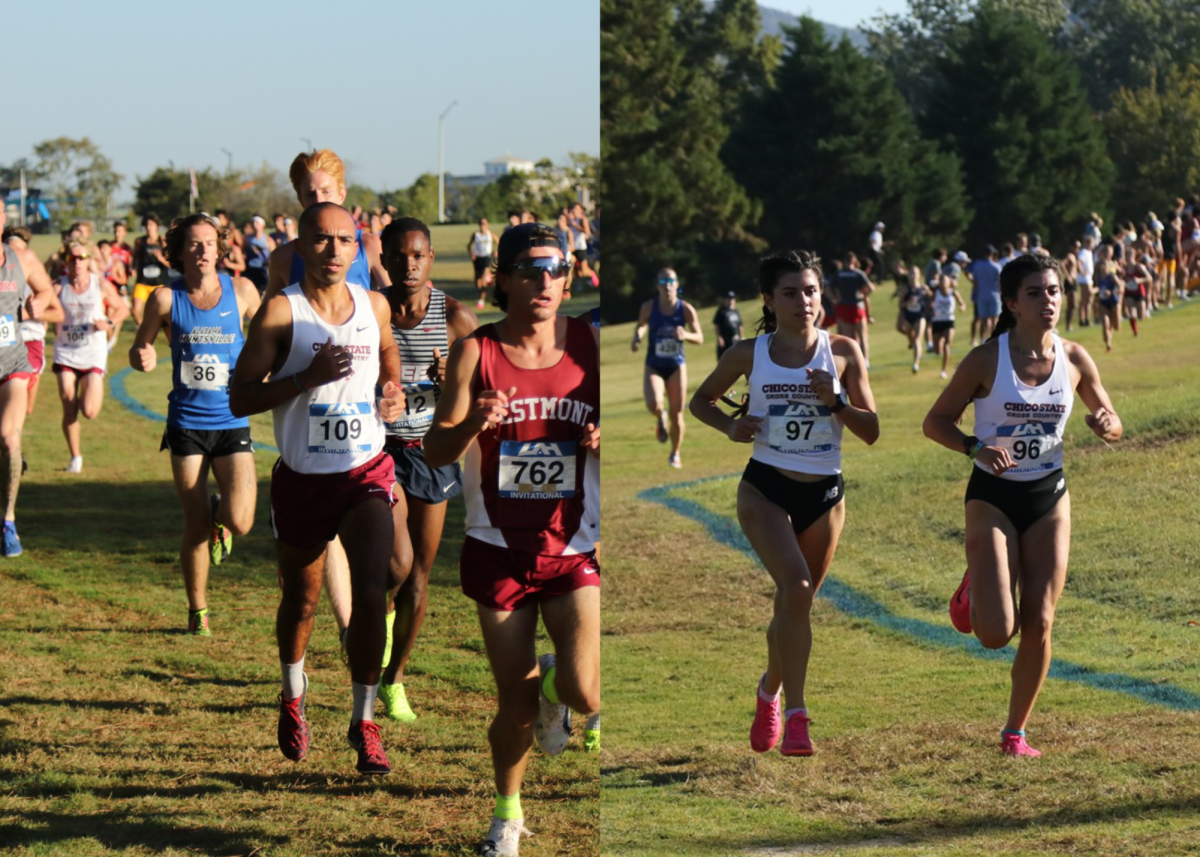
x=763, y=695
x=787, y=715
x=293, y=679
x=364, y=701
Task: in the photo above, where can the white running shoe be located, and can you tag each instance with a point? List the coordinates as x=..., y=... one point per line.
x=674, y=460
x=504, y=837
x=553, y=728
x=76, y=465
x=943, y=375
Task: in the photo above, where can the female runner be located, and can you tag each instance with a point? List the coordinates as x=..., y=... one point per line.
x=1018, y=511
x=805, y=386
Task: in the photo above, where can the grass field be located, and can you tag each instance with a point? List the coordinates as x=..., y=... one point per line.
x=906, y=712
x=121, y=735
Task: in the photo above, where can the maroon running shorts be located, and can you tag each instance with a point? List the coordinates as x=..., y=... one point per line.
x=506, y=579
x=307, y=508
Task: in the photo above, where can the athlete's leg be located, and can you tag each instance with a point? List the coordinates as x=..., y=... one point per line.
x=993, y=559
x=13, y=394
x=32, y=397
x=300, y=578
x=1045, y=548
x=424, y=532
x=789, y=636
x=1070, y=308
x=367, y=534
x=508, y=637
x=573, y=623
x=238, y=484
x=947, y=339
x=917, y=341
x=676, y=397
x=190, y=473
x=653, y=391
x=337, y=583
x=1107, y=318
x=861, y=336
x=91, y=394
x=67, y=394
x=139, y=307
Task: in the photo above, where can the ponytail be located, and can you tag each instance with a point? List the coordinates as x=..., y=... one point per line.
x=1006, y=322
x=767, y=323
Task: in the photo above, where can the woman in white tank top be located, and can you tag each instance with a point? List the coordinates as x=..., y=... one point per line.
x=806, y=386
x=1022, y=382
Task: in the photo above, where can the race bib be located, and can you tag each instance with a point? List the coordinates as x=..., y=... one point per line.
x=1034, y=446
x=419, y=400
x=204, y=372
x=151, y=271
x=668, y=348
x=800, y=429
x=537, y=470
x=339, y=427
x=8, y=330
x=76, y=334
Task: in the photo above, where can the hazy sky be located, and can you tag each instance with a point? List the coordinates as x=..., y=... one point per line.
x=844, y=13
x=158, y=82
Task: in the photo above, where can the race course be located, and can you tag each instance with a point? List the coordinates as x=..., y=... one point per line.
x=906, y=711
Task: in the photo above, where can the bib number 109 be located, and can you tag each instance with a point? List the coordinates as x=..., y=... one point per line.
x=339, y=427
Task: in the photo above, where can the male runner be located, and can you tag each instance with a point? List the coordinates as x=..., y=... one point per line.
x=258, y=253
x=480, y=247
x=202, y=316
x=333, y=476
x=149, y=265
x=44, y=309
x=522, y=401
x=425, y=323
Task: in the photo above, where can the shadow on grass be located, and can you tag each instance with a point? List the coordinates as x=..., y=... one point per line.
x=35, y=828
x=153, y=708
x=192, y=680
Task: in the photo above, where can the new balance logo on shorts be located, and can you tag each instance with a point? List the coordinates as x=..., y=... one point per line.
x=1062, y=483
x=832, y=493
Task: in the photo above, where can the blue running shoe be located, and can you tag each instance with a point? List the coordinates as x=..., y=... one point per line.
x=12, y=543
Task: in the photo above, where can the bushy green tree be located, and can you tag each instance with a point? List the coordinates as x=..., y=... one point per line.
x=78, y=175
x=831, y=148
x=165, y=192
x=1033, y=155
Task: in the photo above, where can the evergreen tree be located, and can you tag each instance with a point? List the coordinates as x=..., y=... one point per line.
x=1033, y=155
x=831, y=148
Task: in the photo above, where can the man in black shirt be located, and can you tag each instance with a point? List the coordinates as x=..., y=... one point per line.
x=728, y=322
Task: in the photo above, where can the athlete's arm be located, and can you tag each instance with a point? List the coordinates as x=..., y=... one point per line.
x=962, y=306
x=642, y=324
x=691, y=329
x=971, y=380
x=389, y=351
x=118, y=311
x=248, y=300
x=458, y=418
x=235, y=260
x=859, y=416
x=279, y=269
x=1102, y=419
x=735, y=363
x=43, y=304
x=155, y=317
x=460, y=323
x=373, y=248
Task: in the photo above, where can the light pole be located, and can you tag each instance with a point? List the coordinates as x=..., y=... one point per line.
x=442, y=163
x=230, y=155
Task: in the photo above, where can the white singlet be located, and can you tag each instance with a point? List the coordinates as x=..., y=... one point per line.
x=78, y=343
x=482, y=244
x=335, y=427
x=798, y=432
x=943, y=306
x=1027, y=421
x=31, y=331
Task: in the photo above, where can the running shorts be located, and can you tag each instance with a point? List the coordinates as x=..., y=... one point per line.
x=805, y=502
x=943, y=326
x=141, y=292
x=36, y=349
x=214, y=443
x=418, y=479
x=482, y=263
x=58, y=368
x=307, y=508
x=912, y=317
x=505, y=579
x=1023, y=503
x=851, y=313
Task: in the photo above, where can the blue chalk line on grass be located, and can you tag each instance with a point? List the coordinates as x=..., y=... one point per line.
x=121, y=394
x=854, y=603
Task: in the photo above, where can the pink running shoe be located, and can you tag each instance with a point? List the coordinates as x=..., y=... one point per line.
x=960, y=605
x=1013, y=744
x=767, y=728
x=795, y=736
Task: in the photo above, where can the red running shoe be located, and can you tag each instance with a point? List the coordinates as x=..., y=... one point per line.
x=365, y=738
x=960, y=605
x=293, y=728
x=1013, y=744
x=795, y=736
x=767, y=727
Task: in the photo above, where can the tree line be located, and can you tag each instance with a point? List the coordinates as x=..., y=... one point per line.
x=962, y=123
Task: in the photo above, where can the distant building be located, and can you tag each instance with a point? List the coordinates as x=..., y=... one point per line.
x=504, y=164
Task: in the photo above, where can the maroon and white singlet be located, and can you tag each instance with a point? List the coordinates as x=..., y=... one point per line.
x=529, y=484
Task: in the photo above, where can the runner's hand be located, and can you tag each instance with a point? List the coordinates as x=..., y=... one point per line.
x=822, y=384
x=102, y=324
x=1104, y=423
x=491, y=409
x=391, y=406
x=590, y=439
x=996, y=459
x=330, y=363
x=744, y=430
x=437, y=369
x=143, y=359
x=679, y=331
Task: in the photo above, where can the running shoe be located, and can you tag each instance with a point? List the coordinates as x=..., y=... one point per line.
x=795, y=736
x=479, y=304
x=660, y=429
x=293, y=728
x=220, y=543
x=1013, y=744
x=198, y=623
x=11, y=542
x=389, y=621
x=960, y=605
x=591, y=734
x=767, y=728
x=675, y=461
x=395, y=703
x=504, y=838
x=916, y=368
x=75, y=465
x=942, y=375
x=365, y=738
x=553, y=728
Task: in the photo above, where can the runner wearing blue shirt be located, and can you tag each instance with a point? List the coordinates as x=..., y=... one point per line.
x=985, y=276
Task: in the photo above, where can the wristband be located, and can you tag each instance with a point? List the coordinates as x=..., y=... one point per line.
x=972, y=445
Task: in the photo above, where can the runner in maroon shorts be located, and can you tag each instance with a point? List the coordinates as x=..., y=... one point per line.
x=333, y=477
x=522, y=402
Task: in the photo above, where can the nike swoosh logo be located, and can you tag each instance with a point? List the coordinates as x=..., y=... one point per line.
x=589, y=571
x=1056, y=392
x=227, y=312
x=361, y=329
x=244, y=442
x=447, y=488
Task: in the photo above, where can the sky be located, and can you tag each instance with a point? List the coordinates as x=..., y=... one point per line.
x=153, y=83
x=844, y=13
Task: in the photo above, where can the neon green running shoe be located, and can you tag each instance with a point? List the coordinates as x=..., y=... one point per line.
x=389, y=620
x=198, y=623
x=220, y=543
x=591, y=734
x=395, y=703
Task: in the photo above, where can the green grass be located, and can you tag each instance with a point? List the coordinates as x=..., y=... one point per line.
x=121, y=735
x=906, y=731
